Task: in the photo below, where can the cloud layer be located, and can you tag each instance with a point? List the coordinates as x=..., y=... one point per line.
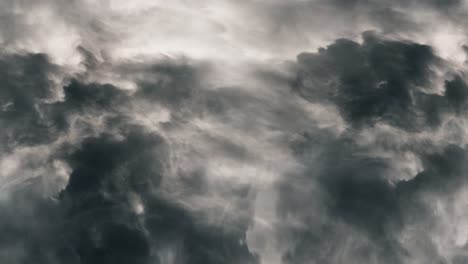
x=233, y=132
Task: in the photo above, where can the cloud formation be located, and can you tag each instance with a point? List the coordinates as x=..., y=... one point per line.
x=233, y=132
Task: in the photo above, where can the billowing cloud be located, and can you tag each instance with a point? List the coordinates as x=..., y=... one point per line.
x=233, y=132
x=351, y=202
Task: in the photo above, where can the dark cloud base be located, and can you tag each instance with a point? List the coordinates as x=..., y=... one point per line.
x=94, y=219
x=114, y=209
x=378, y=81
x=348, y=187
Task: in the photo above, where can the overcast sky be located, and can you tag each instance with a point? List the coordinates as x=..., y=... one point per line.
x=233, y=132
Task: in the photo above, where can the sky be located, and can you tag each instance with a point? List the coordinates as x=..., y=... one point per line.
x=233, y=132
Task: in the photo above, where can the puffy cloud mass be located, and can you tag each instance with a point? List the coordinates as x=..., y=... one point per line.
x=240, y=132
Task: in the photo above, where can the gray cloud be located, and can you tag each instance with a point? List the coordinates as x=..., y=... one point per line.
x=343, y=202
x=379, y=80
x=138, y=132
x=113, y=208
x=345, y=206
x=25, y=87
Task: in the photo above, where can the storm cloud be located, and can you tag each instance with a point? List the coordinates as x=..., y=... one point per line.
x=233, y=132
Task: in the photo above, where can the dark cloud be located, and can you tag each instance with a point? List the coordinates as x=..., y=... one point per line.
x=171, y=83
x=98, y=194
x=456, y=92
x=29, y=226
x=345, y=194
x=96, y=218
x=102, y=226
x=345, y=206
x=113, y=209
x=379, y=80
x=82, y=98
x=31, y=112
x=155, y=150
x=25, y=87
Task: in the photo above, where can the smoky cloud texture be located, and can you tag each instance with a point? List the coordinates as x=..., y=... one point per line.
x=233, y=132
x=112, y=209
